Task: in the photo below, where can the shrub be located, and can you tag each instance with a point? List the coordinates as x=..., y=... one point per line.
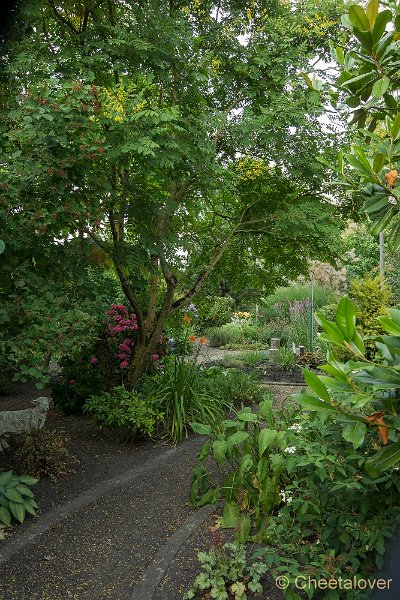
x=277, y=304
x=16, y=497
x=124, y=411
x=44, y=452
x=372, y=300
x=215, y=311
x=294, y=486
x=235, y=386
x=6, y=377
x=233, y=335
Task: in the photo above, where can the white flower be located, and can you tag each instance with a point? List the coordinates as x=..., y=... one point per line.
x=289, y=499
x=290, y=449
x=282, y=495
x=295, y=427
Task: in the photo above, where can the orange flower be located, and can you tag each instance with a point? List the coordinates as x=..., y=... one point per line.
x=203, y=340
x=192, y=338
x=187, y=319
x=377, y=418
x=391, y=178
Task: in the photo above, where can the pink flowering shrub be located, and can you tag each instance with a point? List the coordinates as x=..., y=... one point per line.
x=121, y=329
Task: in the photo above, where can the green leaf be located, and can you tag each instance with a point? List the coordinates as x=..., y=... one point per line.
x=359, y=18
x=384, y=459
x=346, y=318
x=354, y=433
x=359, y=166
x=331, y=329
x=199, y=428
x=14, y=496
x=243, y=528
x=5, y=516
x=379, y=162
x=266, y=437
x=28, y=480
x=238, y=437
x=379, y=28
x=316, y=385
x=2, y=246
x=312, y=403
x=372, y=11
x=5, y=477
x=245, y=464
x=230, y=515
x=380, y=87
x=219, y=448
x=394, y=130
x=247, y=417
x=18, y=510
x=24, y=491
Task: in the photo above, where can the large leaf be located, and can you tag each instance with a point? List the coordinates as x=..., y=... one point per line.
x=395, y=129
x=316, y=385
x=312, y=403
x=382, y=460
x=354, y=433
x=332, y=331
x=358, y=17
x=2, y=246
x=372, y=11
x=381, y=21
x=266, y=438
x=230, y=515
x=346, y=318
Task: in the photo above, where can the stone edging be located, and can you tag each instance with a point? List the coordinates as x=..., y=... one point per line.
x=50, y=518
x=155, y=572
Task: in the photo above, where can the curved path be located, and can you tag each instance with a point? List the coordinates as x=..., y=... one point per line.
x=114, y=541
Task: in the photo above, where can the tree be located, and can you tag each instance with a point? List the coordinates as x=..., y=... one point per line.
x=126, y=134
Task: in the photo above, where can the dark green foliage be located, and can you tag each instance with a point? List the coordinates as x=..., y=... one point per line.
x=214, y=311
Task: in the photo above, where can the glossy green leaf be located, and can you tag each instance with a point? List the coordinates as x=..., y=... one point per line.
x=358, y=17
x=346, y=318
x=2, y=246
x=314, y=382
x=372, y=11
x=384, y=459
x=312, y=403
x=379, y=28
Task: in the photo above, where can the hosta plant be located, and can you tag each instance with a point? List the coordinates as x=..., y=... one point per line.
x=361, y=393
x=16, y=497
